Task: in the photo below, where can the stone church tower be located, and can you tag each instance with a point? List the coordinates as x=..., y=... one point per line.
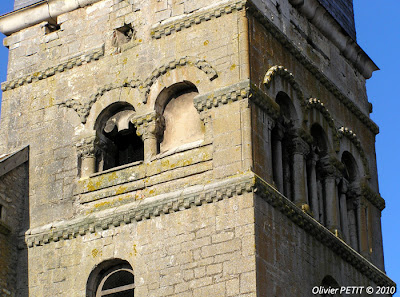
x=187, y=148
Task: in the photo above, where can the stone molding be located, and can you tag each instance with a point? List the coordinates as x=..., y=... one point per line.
x=77, y=60
x=344, y=131
x=319, y=105
x=225, y=95
x=284, y=73
x=373, y=197
x=187, y=21
x=309, y=65
x=179, y=62
x=10, y=161
x=235, y=92
x=314, y=103
x=321, y=233
x=195, y=196
x=37, y=13
x=4, y=228
x=141, y=210
x=322, y=19
x=83, y=109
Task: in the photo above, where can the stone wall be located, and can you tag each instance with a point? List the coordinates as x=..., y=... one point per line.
x=202, y=251
x=309, y=262
x=183, y=218
x=13, y=221
x=57, y=90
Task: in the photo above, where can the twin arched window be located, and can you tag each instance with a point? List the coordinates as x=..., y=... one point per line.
x=117, y=140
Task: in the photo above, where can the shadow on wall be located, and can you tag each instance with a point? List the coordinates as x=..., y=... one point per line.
x=14, y=222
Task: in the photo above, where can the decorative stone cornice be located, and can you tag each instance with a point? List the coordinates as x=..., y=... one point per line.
x=225, y=95
x=322, y=19
x=309, y=65
x=196, y=196
x=70, y=63
x=83, y=109
x=343, y=131
x=235, y=92
x=142, y=210
x=179, y=62
x=265, y=102
x=373, y=197
x=322, y=234
x=203, y=15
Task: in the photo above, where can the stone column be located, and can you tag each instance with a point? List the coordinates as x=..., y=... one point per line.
x=247, y=150
x=149, y=127
x=343, y=210
x=332, y=202
x=300, y=150
x=277, y=165
x=86, y=153
x=353, y=233
x=313, y=186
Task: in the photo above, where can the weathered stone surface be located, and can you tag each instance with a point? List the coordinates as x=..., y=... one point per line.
x=198, y=213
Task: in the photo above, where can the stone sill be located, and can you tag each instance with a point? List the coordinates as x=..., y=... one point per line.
x=4, y=228
x=192, y=158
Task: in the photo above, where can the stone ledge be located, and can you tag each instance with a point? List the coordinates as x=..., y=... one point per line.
x=141, y=210
x=319, y=232
x=373, y=197
x=4, y=228
x=322, y=19
x=187, y=21
x=76, y=60
x=309, y=65
x=196, y=196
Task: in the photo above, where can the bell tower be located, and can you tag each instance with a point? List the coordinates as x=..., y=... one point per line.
x=182, y=148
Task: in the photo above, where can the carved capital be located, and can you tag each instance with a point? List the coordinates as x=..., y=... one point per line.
x=299, y=146
x=86, y=147
x=278, y=131
x=327, y=168
x=150, y=125
x=344, y=186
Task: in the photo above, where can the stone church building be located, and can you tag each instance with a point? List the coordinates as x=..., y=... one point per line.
x=187, y=148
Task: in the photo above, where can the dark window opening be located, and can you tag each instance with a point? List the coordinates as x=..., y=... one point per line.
x=117, y=142
x=129, y=148
x=112, y=278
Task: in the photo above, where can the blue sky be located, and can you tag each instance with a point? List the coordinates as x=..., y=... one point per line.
x=378, y=33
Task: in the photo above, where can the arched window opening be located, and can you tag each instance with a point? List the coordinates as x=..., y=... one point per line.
x=349, y=200
x=182, y=121
x=117, y=142
x=317, y=166
x=113, y=278
x=329, y=282
x=281, y=142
